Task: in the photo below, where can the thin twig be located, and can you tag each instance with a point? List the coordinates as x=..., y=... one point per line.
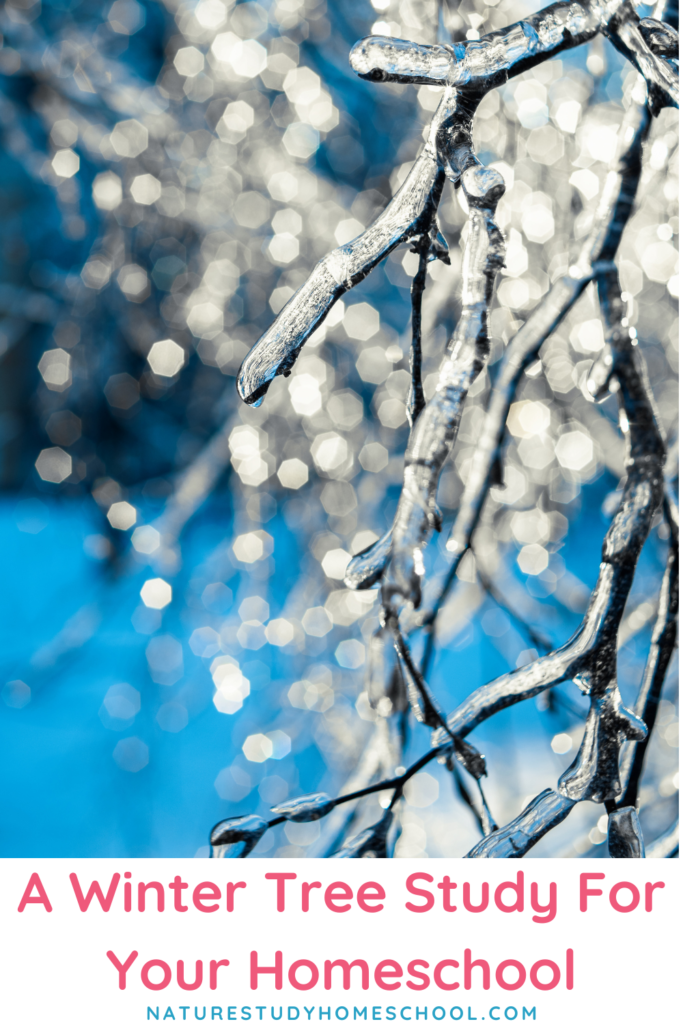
x=416, y=398
x=662, y=645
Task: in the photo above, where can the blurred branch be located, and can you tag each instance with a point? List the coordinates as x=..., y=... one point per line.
x=195, y=484
x=665, y=845
x=537, y=639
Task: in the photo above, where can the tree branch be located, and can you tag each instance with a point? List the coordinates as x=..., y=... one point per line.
x=514, y=840
x=516, y=49
x=611, y=216
x=662, y=646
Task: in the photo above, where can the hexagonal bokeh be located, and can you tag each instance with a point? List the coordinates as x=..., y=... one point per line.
x=16, y=694
x=122, y=515
x=172, y=717
x=107, y=191
x=133, y=282
x=54, y=367
x=189, y=61
x=361, y=321
x=145, y=189
x=293, y=473
x=54, y=465
x=205, y=320
x=65, y=163
x=166, y=357
x=164, y=655
x=122, y=701
x=129, y=138
x=156, y=593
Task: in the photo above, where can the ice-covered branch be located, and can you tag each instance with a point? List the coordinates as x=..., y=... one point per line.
x=662, y=645
x=660, y=38
x=434, y=433
x=612, y=214
x=409, y=215
x=624, y=835
x=641, y=45
x=416, y=398
x=435, y=429
x=501, y=54
x=589, y=657
x=427, y=711
x=594, y=772
x=421, y=479
x=237, y=837
x=489, y=61
x=473, y=67
x=514, y=840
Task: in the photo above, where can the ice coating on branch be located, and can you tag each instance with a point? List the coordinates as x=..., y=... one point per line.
x=438, y=247
x=661, y=75
x=661, y=39
x=488, y=61
x=435, y=431
x=614, y=209
x=477, y=65
x=600, y=376
x=662, y=646
x=236, y=837
x=590, y=656
x=544, y=812
x=383, y=58
x=594, y=773
x=409, y=212
x=365, y=569
x=372, y=842
x=624, y=834
x=305, y=808
x=426, y=709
